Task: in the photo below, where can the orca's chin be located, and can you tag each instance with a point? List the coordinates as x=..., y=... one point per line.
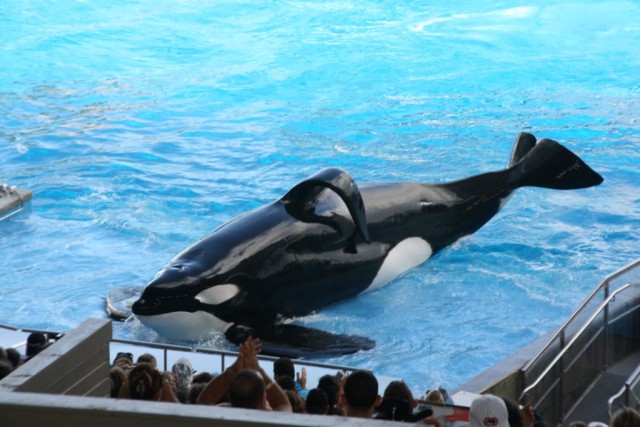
x=184, y=326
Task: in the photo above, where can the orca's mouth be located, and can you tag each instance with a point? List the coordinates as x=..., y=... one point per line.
x=152, y=305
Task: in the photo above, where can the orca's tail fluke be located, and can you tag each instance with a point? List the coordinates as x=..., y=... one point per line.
x=548, y=164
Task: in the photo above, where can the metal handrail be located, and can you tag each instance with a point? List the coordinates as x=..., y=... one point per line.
x=577, y=335
x=562, y=330
x=634, y=377
x=224, y=353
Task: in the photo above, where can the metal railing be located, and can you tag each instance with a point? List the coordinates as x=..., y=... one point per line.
x=575, y=357
x=628, y=394
x=166, y=349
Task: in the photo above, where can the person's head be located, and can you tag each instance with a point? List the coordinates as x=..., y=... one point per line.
x=397, y=402
x=286, y=382
x=36, y=342
x=435, y=396
x=145, y=382
x=123, y=360
x=202, y=377
x=118, y=379
x=625, y=417
x=488, y=411
x=13, y=356
x=183, y=373
x=148, y=358
x=247, y=390
x=330, y=385
x=360, y=394
x=283, y=366
x=317, y=402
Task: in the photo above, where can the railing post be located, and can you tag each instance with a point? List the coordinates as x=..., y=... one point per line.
x=561, y=380
x=606, y=327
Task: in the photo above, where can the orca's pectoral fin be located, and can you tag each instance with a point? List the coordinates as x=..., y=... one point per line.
x=301, y=201
x=295, y=341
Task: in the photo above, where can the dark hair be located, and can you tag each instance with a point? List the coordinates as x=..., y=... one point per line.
x=330, y=385
x=361, y=390
x=246, y=390
x=286, y=382
x=625, y=417
x=283, y=366
x=13, y=356
x=146, y=358
x=122, y=355
x=144, y=382
x=317, y=401
x=397, y=403
x=118, y=379
x=36, y=342
x=202, y=377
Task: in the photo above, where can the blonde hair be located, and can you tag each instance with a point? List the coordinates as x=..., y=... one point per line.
x=435, y=396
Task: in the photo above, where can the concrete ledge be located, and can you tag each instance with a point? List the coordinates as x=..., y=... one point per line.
x=77, y=364
x=29, y=409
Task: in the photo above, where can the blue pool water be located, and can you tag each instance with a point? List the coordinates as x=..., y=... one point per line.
x=141, y=126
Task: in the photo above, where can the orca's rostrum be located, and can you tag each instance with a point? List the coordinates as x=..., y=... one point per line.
x=329, y=239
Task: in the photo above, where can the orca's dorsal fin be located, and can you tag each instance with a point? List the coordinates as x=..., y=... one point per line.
x=301, y=201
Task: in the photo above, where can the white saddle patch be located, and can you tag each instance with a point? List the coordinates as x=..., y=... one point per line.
x=404, y=256
x=218, y=294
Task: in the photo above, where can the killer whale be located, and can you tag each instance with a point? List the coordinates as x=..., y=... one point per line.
x=328, y=239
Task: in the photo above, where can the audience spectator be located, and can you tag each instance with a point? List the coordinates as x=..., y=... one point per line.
x=119, y=383
x=147, y=383
x=435, y=397
x=123, y=360
x=248, y=384
x=488, y=411
x=284, y=366
x=148, y=358
x=36, y=342
x=625, y=417
x=317, y=402
x=14, y=357
x=360, y=394
x=183, y=376
x=286, y=383
x=202, y=377
x=398, y=404
x=331, y=386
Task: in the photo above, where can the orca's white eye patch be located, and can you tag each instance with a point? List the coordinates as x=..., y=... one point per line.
x=218, y=294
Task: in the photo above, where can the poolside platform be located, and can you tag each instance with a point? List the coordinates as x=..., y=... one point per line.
x=12, y=200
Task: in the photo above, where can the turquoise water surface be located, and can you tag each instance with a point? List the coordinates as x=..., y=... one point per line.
x=141, y=126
